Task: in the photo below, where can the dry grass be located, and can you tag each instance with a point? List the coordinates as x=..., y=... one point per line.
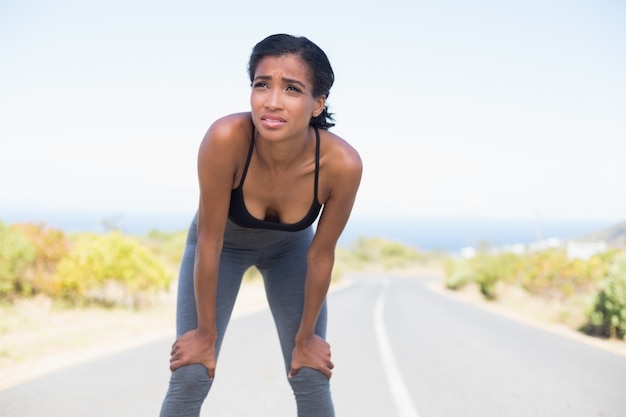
x=33, y=328
x=37, y=338
x=563, y=317
x=569, y=311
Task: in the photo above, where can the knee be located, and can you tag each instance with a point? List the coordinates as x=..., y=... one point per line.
x=311, y=389
x=191, y=381
x=308, y=381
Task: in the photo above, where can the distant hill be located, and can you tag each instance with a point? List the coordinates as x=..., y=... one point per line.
x=614, y=236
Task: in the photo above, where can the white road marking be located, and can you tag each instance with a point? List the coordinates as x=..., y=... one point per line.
x=397, y=386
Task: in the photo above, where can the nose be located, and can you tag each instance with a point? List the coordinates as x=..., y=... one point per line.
x=273, y=99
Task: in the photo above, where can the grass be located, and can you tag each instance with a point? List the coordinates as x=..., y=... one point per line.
x=35, y=333
x=37, y=337
x=565, y=316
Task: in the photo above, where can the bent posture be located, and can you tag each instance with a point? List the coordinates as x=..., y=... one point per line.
x=265, y=176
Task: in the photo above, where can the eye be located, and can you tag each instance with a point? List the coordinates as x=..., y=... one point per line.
x=260, y=84
x=294, y=89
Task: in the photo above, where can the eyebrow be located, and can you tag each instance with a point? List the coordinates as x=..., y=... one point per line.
x=285, y=80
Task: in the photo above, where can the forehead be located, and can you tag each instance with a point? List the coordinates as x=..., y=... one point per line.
x=287, y=66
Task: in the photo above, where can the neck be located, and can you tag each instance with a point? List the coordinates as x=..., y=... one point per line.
x=279, y=155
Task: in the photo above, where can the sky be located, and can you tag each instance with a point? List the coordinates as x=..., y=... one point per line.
x=498, y=109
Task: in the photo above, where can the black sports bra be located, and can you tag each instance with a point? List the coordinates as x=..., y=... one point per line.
x=239, y=214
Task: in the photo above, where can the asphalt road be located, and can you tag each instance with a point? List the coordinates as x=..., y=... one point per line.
x=400, y=350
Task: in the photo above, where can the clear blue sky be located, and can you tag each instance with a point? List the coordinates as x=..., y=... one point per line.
x=459, y=108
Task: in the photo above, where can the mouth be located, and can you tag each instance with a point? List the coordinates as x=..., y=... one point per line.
x=272, y=121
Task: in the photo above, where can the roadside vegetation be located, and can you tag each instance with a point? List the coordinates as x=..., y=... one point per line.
x=61, y=291
x=586, y=294
x=109, y=269
x=116, y=270
x=373, y=254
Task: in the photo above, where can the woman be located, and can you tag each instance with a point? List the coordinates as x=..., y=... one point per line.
x=264, y=177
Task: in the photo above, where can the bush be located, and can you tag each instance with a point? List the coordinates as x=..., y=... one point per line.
x=16, y=253
x=459, y=273
x=166, y=246
x=109, y=269
x=484, y=269
x=504, y=267
x=551, y=274
x=368, y=252
x=50, y=247
x=608, y=317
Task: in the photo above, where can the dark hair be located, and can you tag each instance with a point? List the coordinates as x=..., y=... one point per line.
x=320, y=71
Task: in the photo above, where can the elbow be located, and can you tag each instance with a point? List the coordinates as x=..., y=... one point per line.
x=323, y=260
x=211, y=246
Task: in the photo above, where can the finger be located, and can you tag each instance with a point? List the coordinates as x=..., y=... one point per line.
x=292, y=373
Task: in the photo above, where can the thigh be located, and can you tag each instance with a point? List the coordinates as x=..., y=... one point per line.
x=186, y=316
x=284, y=277
x=231, y=269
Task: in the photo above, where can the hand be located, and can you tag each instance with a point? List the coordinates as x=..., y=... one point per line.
x=313, y=352
x=194, y=347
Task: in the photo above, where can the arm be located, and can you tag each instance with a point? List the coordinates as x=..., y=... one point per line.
x=345, y=171
x=217, y=165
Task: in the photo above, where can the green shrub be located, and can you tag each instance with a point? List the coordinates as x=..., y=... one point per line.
x=548, y=274
x=551, y=274
x=109, y=269
x=16, y=253
x=380, y=252
x=486, y=270
x=486, y=274
x=168, y=247
x=608, y=316
x=458, y=274
x=50, y=246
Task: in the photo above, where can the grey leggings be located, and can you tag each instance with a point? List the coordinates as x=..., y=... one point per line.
x=281, y=258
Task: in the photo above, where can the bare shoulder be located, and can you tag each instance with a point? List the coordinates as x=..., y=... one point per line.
x=223, y=150
x=229, y=132
x=339, y=156
x=340, y=176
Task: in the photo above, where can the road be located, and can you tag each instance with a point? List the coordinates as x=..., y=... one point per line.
x=400, y=350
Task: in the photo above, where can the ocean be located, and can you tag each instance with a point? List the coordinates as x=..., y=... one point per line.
x=424, y=233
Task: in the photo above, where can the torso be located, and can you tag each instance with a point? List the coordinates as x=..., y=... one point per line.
x=287, y=199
